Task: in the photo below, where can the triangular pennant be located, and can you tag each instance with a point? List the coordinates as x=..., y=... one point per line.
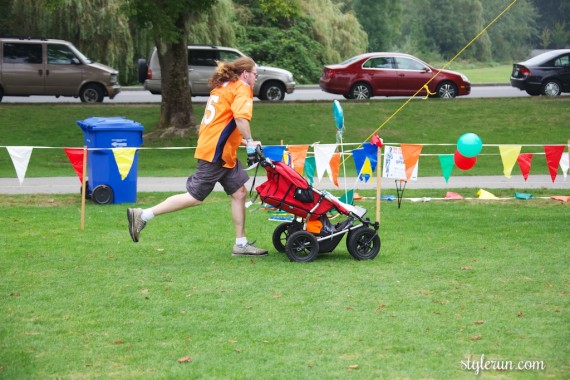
x=358, y=155
x=274, y=152
x=298, y=155
x=447, y=162
x=347, y=197
x=565, y=164
x=371, y=151
x=124, y=157
x=366, y=171
x=335, y=166
x=20, y=156
x=509, y=155
x=553, y=155
x=75, y=156
x=411, y=154
x=525, y=160
x=310, y=167
x=323, y=155
x=484, y=194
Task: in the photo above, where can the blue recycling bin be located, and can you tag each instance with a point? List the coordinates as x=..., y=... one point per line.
x=104, y=182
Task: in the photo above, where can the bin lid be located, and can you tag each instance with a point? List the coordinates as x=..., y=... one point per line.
x=109, y=123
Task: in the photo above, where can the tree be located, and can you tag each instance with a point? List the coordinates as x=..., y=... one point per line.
x=168, y=22
x=381, y=20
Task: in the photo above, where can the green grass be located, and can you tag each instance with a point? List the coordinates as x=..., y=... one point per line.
x=477, y=74
x=454, y=280
x=496, y=121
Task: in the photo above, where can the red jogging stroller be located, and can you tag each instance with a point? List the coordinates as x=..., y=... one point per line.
x=311, y=232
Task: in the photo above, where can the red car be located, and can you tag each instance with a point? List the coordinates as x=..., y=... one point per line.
x=390, y=74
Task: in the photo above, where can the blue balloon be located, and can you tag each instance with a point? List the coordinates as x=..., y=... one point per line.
x=338, y=115
x=469, y=145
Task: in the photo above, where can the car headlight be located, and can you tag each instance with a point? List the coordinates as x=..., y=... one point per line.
x=114, y=78
x=464, y=78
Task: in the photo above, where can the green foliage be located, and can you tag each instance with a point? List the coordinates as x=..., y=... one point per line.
x=292, y=48
x=381, y=19
x=560, y=36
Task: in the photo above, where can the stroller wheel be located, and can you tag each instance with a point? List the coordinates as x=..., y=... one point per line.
x=363, y=243
x=280, y=236
x=302, y=246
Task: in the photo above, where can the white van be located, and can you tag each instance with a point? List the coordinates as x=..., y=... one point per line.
x=272, y=83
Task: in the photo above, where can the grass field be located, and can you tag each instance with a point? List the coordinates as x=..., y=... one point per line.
x=454, y=282
x=497, y=121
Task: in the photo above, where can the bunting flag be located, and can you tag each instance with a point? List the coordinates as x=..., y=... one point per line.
x=525, y=160
x=347, y=197
x=411, y=154
x=274, y=152
x=75, y=156
x=565, y=164
x=287, y=158
x=509, y=155
x=446, y=161
x=323, y=155
x=366, y=171
x=20, y=156
x=371, y=152
x=393, y=166
x=362, y=164
x=310, y=167
x=124, y=157
x=335, y=166
x=553, y=155
x=298, y=155
x=484, y=194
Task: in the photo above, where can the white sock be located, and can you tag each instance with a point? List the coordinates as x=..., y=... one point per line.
x=147, y=214
x=241, y=241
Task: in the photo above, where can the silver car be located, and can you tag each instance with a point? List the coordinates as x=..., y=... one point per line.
x=272, y=83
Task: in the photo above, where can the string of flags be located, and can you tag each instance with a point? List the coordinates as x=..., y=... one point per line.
x=399, y=162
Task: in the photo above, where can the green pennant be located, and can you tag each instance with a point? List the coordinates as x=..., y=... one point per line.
x=446, y=162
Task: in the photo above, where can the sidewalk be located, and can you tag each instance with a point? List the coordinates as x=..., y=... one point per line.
x=71, y=185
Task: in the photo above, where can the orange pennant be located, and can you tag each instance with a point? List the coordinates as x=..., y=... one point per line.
x=298, y=155
x=411, y=154
x=335, y=165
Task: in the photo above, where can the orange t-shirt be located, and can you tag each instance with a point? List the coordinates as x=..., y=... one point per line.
x=219, y=138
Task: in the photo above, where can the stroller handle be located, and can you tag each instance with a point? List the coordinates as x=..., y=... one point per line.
x=258, y=156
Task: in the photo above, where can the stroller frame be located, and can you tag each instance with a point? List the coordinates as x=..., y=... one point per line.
x=288, y=191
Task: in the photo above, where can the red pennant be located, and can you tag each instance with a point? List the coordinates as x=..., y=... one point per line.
x=376, y=140
x=525, y=160
x=75, y=156
x=553, y=156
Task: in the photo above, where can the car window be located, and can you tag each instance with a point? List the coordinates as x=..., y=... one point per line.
x=202, y=57
x=59, y=55
x=562, y=61
x=378, y=63
x=228, y=55
x=404, y=63
x=22, y=53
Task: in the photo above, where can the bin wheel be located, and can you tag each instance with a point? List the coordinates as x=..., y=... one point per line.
x=363, y=243
x=102, y=195
x=302, y=246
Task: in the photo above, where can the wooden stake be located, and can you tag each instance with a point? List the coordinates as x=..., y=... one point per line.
x=83, y=187
x=378, y=183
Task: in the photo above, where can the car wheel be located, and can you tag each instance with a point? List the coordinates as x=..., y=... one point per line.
x=272, y=91
x=360, y=91
x=533, y=92
x=551, y=88
x=446, y=90
x=92, y=93
x=1, y=94
x=142, y=70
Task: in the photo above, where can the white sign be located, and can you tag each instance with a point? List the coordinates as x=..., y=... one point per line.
x=394, y=166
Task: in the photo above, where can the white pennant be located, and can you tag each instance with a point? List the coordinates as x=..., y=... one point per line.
x=565, y=164
x=20, y=156
x=323, y=155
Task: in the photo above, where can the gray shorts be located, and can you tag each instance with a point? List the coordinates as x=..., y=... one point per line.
x=201, y=183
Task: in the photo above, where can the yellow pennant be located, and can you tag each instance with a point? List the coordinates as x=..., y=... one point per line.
x=484, y=194
x=509, y=155
x=124, y=158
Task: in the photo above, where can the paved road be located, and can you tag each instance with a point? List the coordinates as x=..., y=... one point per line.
x=71, y=185
x=302, y=93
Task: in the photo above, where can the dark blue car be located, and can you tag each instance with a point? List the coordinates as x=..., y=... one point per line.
x=547, y=74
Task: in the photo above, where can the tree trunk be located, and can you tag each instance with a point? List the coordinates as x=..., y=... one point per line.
x=176, y=112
